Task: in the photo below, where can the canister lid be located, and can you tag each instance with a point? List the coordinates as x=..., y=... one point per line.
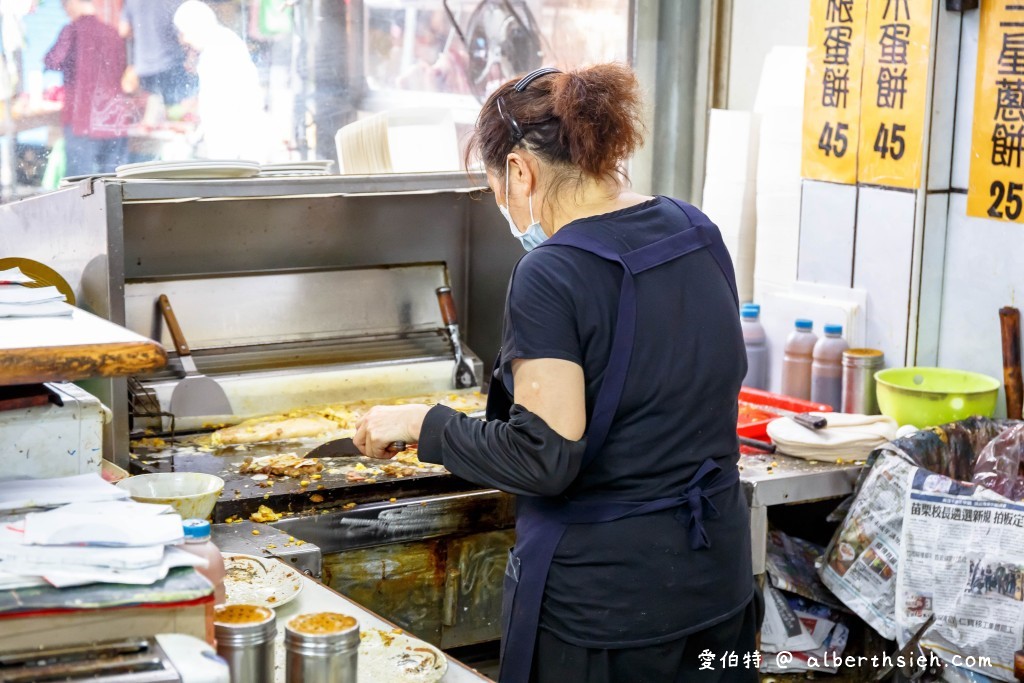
x=321, y=623
x=322, y=633
x=863, y=358
x=242, y=615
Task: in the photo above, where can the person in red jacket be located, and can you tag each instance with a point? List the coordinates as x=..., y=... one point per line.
x=96, y=113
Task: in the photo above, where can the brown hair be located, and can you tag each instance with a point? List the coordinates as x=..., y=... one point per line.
x=588, y=121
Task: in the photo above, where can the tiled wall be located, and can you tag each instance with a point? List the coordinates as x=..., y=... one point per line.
x=892, y=243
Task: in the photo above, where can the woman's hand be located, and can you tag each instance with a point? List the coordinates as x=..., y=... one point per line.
x=383, y=425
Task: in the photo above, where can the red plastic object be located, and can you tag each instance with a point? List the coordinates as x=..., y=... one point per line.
x=758, y=408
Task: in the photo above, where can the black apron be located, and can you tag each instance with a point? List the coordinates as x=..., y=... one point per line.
x=541, y=521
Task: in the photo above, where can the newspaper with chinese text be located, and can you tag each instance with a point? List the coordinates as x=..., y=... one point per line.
x=963, y=560
x=861, y=562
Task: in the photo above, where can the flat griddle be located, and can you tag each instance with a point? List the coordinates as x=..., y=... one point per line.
x=243, y=495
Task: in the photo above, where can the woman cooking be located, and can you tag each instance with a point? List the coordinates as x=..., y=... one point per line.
x=612, y=415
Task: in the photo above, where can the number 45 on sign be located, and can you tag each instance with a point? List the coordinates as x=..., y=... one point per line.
x=891, y=143
x=834, y=141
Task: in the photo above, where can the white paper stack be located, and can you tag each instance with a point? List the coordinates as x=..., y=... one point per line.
x=20, y=494
x=18, y=300
x=730, y=187
x=14, y=276
x=97, y=542
x=779, y=105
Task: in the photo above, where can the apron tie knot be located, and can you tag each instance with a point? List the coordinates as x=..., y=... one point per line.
x=698, y=508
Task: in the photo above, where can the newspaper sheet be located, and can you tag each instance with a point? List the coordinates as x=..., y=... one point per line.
x=963, y=559
x=862, y=561
x=812, y=634
x=791, y=565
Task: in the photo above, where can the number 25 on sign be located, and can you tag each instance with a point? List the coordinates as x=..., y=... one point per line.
x=996, y=187
x=1007, y=200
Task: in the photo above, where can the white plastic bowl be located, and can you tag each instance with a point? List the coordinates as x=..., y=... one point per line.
x=191, y=494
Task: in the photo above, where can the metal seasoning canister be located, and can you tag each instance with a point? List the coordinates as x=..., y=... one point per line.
x=321, y=648
x=245, y=638
x=859, y=368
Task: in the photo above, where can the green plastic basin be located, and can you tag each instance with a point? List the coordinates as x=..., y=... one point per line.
x=926, y=397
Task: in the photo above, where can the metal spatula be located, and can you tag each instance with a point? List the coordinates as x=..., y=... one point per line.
x=463, y=376
x=196, y=394
x=344, y=447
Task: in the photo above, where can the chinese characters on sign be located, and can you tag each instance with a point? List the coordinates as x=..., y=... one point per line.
x=832, y=90
x=897, y=43
x=996, y=187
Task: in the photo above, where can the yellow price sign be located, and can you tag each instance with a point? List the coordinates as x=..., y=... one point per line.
x=897, y=45
x=832, y=90
x=996, y=186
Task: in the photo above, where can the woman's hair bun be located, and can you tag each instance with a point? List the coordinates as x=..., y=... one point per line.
x=601, y=115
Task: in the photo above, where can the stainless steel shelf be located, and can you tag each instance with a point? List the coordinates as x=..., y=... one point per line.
x=300, y=186
x=781, y=480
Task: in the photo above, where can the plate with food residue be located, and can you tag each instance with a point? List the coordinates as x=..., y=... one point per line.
x=262, y=581
x=395, y=657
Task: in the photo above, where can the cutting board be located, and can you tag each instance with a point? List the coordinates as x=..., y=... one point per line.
x=74, y=347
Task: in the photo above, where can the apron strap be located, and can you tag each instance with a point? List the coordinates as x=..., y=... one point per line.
x=633, y=262
x=716, y=245
x=693, y=504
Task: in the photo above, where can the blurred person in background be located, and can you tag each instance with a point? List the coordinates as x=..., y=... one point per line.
x=232, y=120
x=97, y=114
x=157, y=58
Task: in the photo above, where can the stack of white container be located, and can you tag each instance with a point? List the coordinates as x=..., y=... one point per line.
x=730, y=188
x=779, y=106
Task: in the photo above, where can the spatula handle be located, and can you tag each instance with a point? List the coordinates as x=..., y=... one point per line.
x=812, y=422
x=757, y=445
x=447, y=303
x=172, y=325
x=1009, y=322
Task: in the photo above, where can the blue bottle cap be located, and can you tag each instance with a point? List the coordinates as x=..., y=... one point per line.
x=833, y=329
x=196, y=528
x=750, y=311
x=804, y=325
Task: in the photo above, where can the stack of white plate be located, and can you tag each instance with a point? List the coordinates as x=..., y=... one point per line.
x=296, y=168
x=200, y=169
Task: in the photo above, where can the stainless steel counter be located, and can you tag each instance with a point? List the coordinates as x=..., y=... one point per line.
x=782, y=480
x=315, y=597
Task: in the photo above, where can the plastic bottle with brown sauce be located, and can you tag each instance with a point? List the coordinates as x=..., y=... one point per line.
x=797, y=359
x=197, y=542
x=827, y=368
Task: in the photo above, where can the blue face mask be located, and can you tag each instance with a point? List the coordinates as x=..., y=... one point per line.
x=534, y=234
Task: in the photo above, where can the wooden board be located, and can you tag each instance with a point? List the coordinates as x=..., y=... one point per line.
x=70, y=348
